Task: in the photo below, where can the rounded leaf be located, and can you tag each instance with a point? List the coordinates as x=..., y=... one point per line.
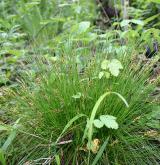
x=77, y=96
x=114, y=67
x=101, y=74
x=107, y=74
x=97, y=123
x=104, y=64
x=109, y=121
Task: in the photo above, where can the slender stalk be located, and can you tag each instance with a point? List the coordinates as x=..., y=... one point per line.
x=125, y=5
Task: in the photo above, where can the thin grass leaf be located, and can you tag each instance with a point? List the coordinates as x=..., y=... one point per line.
x=9, y=140
x=122, y=98
x=4, y=128
x=146, y=21
x=100, y=152
x=93, y=114
x=2, y=158
x=69, y=124
x=57, y=159
x=85, y=131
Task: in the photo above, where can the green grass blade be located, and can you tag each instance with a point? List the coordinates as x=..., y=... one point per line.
x=95, y=108
x=2, y=158
x=100, y=152
x=69, y=124
x=57, y=159
x=4, y=128
x=122, y=98
x=9, y=140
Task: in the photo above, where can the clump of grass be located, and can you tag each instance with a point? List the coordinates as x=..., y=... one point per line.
x=63, y=93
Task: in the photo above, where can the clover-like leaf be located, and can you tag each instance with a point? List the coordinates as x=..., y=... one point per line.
x=109, y=121
x=101, y=74
x=104, y=64
x=107, y=74
x=97, y=123
x=110, y=116
x=77, y=96
x=114, y=67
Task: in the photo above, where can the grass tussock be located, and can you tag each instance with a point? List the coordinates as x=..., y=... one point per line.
x=68, y=90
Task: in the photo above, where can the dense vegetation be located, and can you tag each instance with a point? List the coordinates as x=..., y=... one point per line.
x=79, y=82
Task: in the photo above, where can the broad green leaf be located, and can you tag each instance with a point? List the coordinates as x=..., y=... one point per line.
x=104, y=64
x=109, y=121
x=136, y=21
x=114, y=67
x=101, y=74
x=109, y=116
x=155, y=1
x=151, y=34
x=83, y=26
x=130, y=34
x=98, y=123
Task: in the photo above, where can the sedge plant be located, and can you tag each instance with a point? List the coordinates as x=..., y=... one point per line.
x=58, y=117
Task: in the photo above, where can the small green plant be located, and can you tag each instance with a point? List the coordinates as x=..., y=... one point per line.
x=106, y=120
x=73, y=92
x=113, y=67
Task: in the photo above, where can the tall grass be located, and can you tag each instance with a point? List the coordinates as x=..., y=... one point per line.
x=68, y=90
